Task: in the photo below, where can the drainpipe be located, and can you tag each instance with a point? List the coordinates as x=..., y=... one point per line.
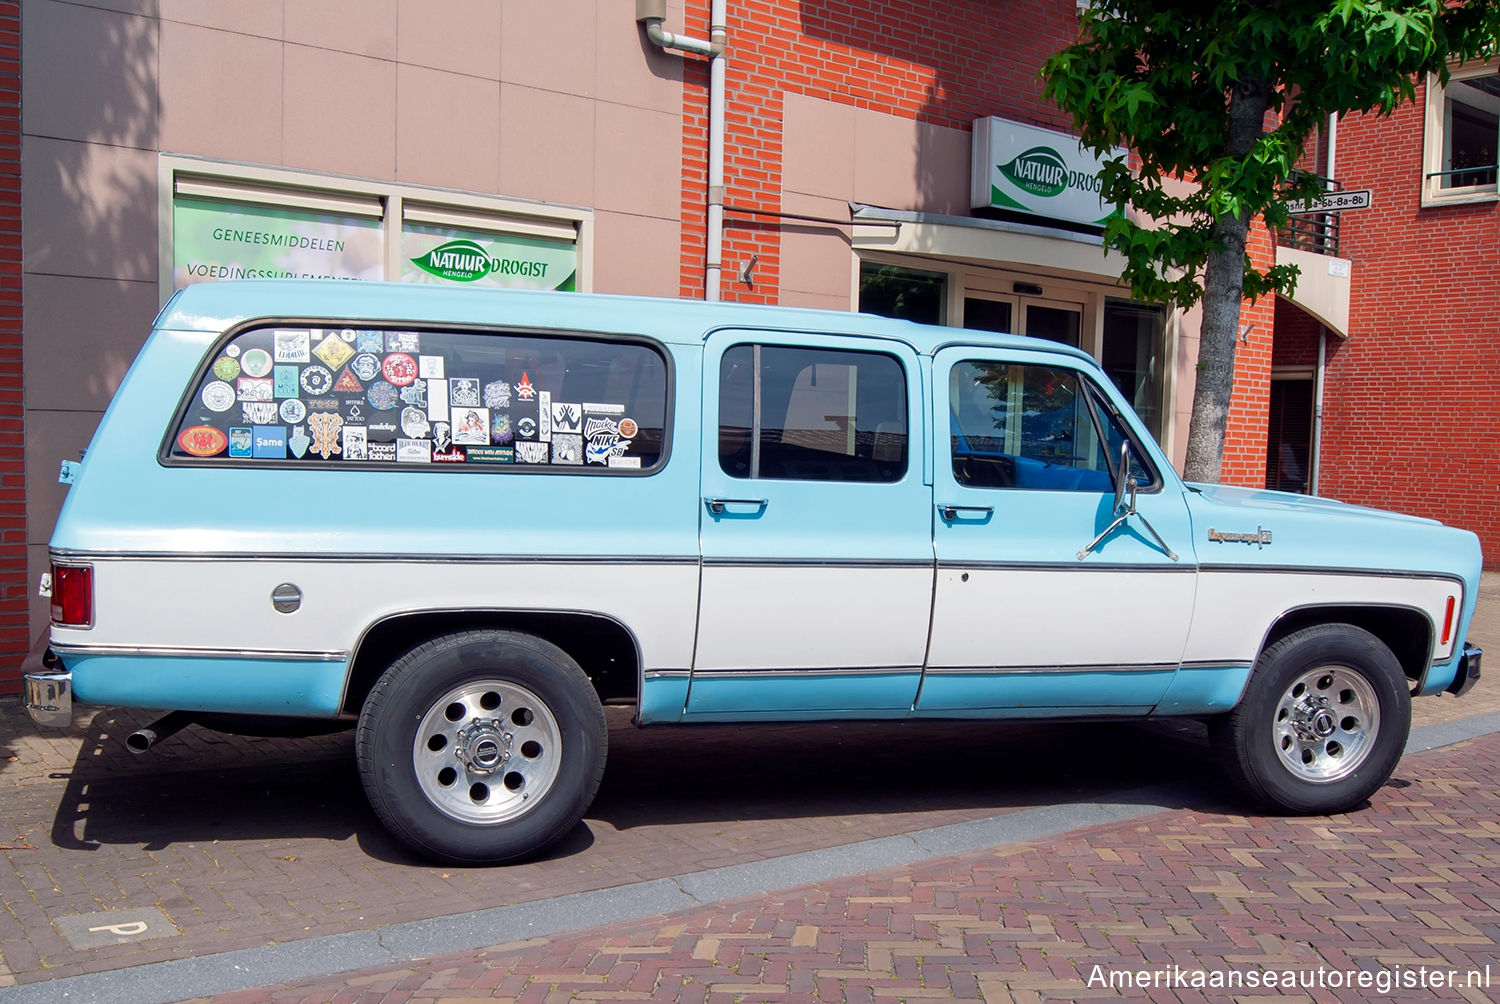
x=652, y=13
x=1317, y=430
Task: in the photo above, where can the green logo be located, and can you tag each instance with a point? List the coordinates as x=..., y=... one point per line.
x=1039, y=171
x=460, y=260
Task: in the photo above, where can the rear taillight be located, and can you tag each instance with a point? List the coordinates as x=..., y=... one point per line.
x=1448, y=621
x=73, y=595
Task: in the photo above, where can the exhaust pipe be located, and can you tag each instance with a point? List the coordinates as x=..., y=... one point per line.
x=164, y=727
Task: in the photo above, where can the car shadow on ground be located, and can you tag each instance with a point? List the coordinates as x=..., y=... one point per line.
x=200, y=786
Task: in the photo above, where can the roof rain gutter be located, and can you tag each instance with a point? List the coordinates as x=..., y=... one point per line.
x=652, y=13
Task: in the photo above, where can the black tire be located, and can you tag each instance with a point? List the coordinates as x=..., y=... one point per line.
x=510, y=752
x=1322, y=722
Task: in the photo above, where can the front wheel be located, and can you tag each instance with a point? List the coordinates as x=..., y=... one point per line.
x=1322, y=723
x=481, y=747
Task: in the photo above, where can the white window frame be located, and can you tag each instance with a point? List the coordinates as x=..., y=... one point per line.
x=1433, y=145
x=392, y=203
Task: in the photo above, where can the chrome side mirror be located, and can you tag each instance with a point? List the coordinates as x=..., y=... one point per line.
x=1121, y=471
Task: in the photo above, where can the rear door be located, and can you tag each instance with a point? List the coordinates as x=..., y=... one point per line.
x=1022, y=482
x=816, y=529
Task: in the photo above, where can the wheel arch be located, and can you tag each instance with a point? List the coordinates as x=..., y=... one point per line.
x=606, y=650
x=1407, y=631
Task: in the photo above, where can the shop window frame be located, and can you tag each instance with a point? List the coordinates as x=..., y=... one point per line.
x=394, y=204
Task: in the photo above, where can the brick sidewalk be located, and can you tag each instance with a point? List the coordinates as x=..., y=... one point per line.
x=1410, y=882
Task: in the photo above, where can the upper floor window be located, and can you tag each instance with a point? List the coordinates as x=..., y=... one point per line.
x=1463, y=134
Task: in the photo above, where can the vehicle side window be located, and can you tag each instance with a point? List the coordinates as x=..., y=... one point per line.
x=812, y=414
x=293, y=396
x=1032, y=427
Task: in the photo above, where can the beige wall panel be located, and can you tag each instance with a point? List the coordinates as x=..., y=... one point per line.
x=629, y=67
x=818, y=148
x=903, y=164
x=81, y=336
x=554, y=49
x=245, y=17
x=221, y=94
x=37, y=607
x=462, y=36
x=447, y=129
x=337, y=114
x=637, y=161
x=815, y=259
x=546, y=146
x=88, y=74
x=88, y=210
x=366, y=27
x=817, y=301
x=51, y=437
x=638, y=255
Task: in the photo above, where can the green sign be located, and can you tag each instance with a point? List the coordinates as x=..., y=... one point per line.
x=1027, y=169
x=225, y=240
x=445, y=255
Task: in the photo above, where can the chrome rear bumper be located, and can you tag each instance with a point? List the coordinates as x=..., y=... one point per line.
x=1468, y=671
x=46, y=686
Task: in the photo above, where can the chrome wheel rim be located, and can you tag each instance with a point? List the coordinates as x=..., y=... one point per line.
x=1326, y=723
x=487, y=751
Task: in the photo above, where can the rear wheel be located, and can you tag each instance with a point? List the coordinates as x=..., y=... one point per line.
x=481, y=747
x=1321, y=724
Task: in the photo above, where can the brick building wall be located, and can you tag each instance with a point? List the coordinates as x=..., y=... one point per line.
x=1296, y=336
x=897, y=56
x=14, y=640
x=1411, y=416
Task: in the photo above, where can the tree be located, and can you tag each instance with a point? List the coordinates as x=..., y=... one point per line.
x=1228, y=94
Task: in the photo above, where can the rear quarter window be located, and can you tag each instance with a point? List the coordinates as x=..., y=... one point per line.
x=293, y=396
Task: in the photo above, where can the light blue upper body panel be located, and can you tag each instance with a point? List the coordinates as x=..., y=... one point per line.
x=144, y=506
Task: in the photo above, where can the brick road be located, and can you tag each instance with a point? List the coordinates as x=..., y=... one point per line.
x=1411, y=882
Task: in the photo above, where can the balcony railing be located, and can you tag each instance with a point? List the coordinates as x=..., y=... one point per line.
x=1315, y=232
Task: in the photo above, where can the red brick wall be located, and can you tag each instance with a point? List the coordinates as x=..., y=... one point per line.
x=1296, y=336
x=14, y=642
x=900, y=56
x=1249, y=405
x=1411, y=403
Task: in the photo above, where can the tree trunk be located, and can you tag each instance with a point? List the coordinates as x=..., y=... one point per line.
x=1223, y=294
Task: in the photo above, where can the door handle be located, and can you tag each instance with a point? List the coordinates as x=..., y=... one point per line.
x=719, y=506
x=951, y=512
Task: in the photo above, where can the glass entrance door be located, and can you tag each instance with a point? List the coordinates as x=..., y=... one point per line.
x=1053, y=320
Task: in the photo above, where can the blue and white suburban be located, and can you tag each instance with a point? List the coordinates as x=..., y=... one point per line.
x=462, y=521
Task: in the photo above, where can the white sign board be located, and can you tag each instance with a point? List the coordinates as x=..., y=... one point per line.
x=1333, y=202
x=1030, y=170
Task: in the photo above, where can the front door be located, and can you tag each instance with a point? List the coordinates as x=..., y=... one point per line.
x=1022, y=483
x=816, y=529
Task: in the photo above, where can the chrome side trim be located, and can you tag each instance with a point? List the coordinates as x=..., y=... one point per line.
x=172, y=652
x=1368, y=573
x=800, y=671
x=1218, y=664
x=1046, y=566
x=373, y=557
x=817, y=563
x=1145, y=667
x=668, y=674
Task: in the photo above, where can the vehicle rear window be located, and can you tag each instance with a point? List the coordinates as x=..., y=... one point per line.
x=294, y=396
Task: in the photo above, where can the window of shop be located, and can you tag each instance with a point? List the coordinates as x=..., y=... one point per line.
x=238, y=221
x=347, y=397
x=1132, y=356
x=908, y=293
x=811, y=414
x=1463, y=134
